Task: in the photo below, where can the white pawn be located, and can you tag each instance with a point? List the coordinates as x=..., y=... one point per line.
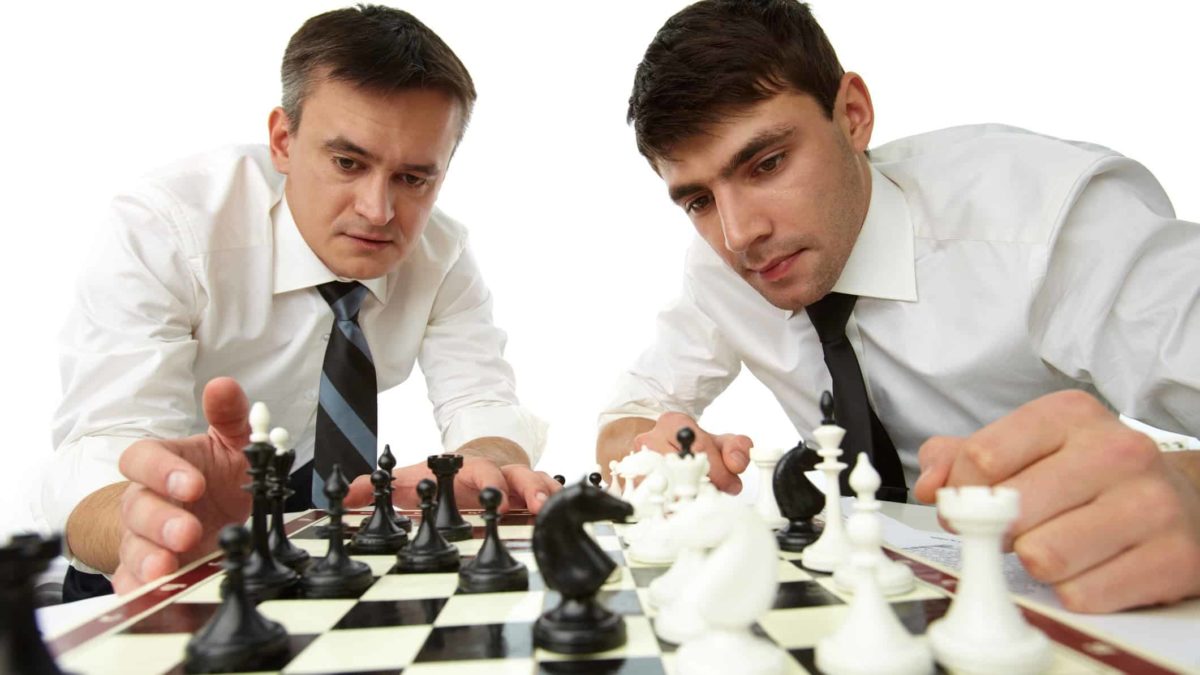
x=983, y=631
x=650, y=541
x=765, y=504
x=871, y=640
x=832, y=547
x=280, y=438
x=614, y=484
x=260, y=421
x=893, y=577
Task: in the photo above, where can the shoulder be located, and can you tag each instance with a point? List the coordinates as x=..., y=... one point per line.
x=989, y=182
x=216, y=200
x=443, y=240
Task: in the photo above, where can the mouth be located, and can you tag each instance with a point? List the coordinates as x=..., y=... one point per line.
x=373, y=243
x=775, y=269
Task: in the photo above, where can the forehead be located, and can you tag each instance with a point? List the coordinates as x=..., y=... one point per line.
x=702, y=156
x=408, y=117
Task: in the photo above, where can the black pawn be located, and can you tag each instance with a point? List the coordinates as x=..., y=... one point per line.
x=281, y=547
x=685, y=438
x=380, y=534
x=266, y=578
x=449, y=521
x=21, y=647
x=562, y=480
x=387, y=462
x=594, y=478
x=798, y=499
x=428, y=551
x=237, y=637
x=337, y=575
x=493, y=570
x=827, y=415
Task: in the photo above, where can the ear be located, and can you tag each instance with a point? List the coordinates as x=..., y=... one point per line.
x=279, y=133
x=853, y=111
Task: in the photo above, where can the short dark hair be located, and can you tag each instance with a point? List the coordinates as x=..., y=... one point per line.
x=717, y=57
x=380, y=49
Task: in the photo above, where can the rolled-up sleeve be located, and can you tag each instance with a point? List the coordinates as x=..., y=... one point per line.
x=126, y=356
x=689, y=364
x=471, y=385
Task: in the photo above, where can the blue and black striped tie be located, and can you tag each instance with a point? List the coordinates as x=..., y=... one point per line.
x=346, y=414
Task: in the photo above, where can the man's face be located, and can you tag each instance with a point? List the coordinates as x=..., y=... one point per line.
x=364, y=170
x=779, y=191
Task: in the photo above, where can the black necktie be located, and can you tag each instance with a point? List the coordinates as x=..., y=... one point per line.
x=346, y=413
x=852, y=408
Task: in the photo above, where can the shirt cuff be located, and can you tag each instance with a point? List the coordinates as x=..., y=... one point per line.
x=648, y=409
x=505, y=421
x=75, y=471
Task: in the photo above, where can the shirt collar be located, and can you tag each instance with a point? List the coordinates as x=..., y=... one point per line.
x=882, y=263
x=296, y=266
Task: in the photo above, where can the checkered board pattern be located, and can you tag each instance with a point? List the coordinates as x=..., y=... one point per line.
x=418, y=624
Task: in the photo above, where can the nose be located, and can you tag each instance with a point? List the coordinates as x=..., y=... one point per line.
x=742, y=222
x=373, y=201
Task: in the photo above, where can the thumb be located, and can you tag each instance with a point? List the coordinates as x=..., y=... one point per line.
x=361, y=492
x=735, y=451
x=936, y=456
x=228, y=411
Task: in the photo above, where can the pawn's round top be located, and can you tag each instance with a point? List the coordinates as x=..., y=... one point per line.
x=380, y=478
x=489, y=498
x=595, y=478
x=562, y=480
x=260, y=423
x=686, y=437
x=864, y=479
x=425, y=490
x=234, y=540
x=387, y=461
x=280, y=438
x=827, y=418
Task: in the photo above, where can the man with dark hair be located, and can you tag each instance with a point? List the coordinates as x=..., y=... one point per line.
x=314, y=272
x=979, y=300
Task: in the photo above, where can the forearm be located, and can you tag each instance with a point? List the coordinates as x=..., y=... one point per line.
x=500, y=450
x=94, y=528
x=616, y=440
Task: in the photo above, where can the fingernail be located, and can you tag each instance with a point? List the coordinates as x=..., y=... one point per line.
x=541, y=497
x=177, y=484
x=171, y=533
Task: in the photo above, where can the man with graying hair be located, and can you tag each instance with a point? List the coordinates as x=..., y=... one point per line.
x=311, y=273
x=979, y=300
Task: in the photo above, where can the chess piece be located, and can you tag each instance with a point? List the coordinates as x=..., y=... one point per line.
x=832, y=547
x=595, y=478
x=237, y=638
x=387, y=462
x=449, y=521
x=798, y=499
x=572, y=563
x=983, y=631
x=614, y=483
x=379, y=535
x=766, y=459
x=650, y=541
x=871, y=639
x=678, y=618
x=493, y=570
x=282, y=548
x=21, y=647
x=561, y=479
x=734, y=588
x=428, y=551
x=337, y=575
x=265, y=577
x=891, y=576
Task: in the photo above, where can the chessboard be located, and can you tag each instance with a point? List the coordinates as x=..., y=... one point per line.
x=419, y=624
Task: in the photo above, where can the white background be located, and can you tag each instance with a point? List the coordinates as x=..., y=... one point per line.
x=574, y=232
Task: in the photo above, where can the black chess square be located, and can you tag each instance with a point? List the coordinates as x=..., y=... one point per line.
x=625, y=603
x=633, y=666
x=916, y=615
x=484, y=641
x=792, y=594
x=296, y=644
x=377, y=614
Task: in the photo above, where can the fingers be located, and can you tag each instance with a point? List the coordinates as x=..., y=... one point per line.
x=149, y=516
x=936, y=456
x=735, y=451
x=142, y=561
x=476, y=474
x=529, y=488
x=228, y=411
x=1144, y=575
x=361, y=492
x=154, y=465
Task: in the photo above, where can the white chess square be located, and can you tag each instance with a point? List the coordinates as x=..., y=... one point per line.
x=484, y=608
x=348, y=650
x=127, y=654
x=412, y=587
x=306, y=616
x=803, y=626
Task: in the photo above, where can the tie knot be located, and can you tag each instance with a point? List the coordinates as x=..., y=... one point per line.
x=345, y=298
x=830, y=314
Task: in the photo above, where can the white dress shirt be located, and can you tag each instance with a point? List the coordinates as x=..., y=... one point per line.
x=202, y=273
x=994, y=266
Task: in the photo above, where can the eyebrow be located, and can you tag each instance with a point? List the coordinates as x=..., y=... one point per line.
x=752, y=147
x=343, y=144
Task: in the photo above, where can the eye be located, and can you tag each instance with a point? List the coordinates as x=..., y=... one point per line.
x=770, y=164
x=413, y=180
x=345, y=163
x=697, y=205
